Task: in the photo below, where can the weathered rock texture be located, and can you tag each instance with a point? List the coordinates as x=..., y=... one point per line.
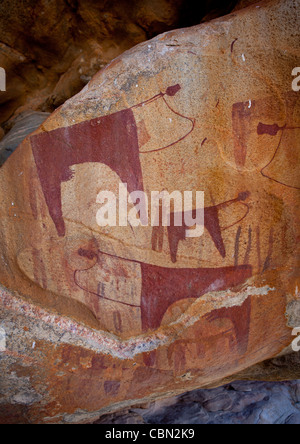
x=50, y=50
x=24, y=124
x=95, y=319
x=237, y=403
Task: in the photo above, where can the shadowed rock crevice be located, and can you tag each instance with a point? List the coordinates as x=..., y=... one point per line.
x=51, y=50
x=236, y=403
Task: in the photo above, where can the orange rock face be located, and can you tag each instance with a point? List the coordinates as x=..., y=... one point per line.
x=105, y=317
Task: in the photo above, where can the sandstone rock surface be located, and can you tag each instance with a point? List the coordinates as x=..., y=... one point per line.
x=50, y=50
x=93, y=318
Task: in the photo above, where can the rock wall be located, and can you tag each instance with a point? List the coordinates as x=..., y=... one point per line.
x=95, y=318
x=51, y=50
x=237, y=403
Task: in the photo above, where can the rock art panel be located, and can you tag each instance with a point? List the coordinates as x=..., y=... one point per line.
x=145, y=310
